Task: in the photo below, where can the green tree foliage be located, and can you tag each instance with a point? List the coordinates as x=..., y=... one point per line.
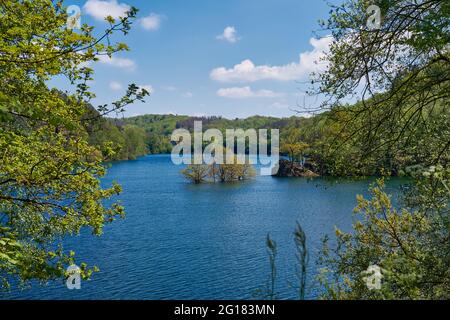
x=401, y=75
x=223, y=172
x=293, y=146
x=49, y=173
x=105, y=135
x=158, y=129
x=197, y=173
x=401, y=120
x=411, y=245
x=302, y=259
x=127, y=141
x=323, y=138
x=269, y=290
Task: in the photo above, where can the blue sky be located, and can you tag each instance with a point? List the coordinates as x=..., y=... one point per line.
x=234, y=58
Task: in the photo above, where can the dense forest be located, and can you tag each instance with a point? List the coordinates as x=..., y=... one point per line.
x=321, y=137
x=158, y=128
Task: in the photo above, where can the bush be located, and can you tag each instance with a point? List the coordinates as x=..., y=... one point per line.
x=411, y=245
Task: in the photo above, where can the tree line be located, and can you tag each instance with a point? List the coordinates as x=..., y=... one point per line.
x=326, y=139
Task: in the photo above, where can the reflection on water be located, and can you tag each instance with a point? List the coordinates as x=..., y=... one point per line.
x=183, y=241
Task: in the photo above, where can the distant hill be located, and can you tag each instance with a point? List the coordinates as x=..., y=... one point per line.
x=327, y=138
x=160, y=127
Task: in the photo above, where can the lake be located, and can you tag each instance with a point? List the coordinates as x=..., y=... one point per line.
x=184, y=241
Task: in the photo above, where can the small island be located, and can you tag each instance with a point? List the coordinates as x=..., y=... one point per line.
x=214, y=172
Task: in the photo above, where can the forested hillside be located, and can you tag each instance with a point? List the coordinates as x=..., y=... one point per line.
x=126, y=141
x=331, y=146
x=160, y=127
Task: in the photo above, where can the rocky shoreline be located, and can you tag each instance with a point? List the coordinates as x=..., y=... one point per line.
x=294, y=169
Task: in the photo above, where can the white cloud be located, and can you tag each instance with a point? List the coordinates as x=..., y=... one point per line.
x=122, y=63
x=147, y=87
x=100, y=9
x=152, y=22
x=188, y=94
x=115, y=86
x=246, y=71
x=229, y=34
x=246, y=92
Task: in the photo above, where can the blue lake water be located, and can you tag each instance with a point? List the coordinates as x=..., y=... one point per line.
x=183, y=241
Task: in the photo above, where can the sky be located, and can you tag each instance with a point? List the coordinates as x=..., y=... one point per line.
x=234, y=58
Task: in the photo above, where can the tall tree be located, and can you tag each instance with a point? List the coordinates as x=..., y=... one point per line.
x=399, y=72
x=49, y=174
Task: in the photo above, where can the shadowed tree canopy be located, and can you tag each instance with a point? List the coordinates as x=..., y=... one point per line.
x=400, y=74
